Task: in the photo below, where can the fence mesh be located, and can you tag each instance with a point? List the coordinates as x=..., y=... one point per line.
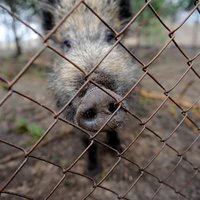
x=174, y=186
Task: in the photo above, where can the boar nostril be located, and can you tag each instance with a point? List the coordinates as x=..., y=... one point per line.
x=89, y=114
x=112, y=107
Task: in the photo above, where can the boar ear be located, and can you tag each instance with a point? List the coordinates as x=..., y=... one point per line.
x=48, y=8
x=47, y=20
x=125, y=11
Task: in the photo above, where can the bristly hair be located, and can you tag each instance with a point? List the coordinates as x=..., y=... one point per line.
x=52, y=8
x=125, y=11
x=47, y=8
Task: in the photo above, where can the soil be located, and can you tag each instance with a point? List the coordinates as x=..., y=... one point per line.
x=160, y=164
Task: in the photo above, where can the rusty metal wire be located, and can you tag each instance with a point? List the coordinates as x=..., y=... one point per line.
x=26, y=155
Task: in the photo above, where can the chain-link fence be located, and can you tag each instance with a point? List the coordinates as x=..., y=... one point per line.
x=159, y=161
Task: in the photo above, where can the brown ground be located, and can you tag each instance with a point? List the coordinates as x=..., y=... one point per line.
x=37, y=178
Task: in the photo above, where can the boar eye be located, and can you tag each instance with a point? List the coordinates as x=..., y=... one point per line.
x=110, y=37
x=67, y=45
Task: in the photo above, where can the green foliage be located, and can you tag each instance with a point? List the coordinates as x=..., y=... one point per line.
x=185, y=5
x=172, y=6
x=153, y=33
x=23, y=126
x=4, y=86
x=19, y=5
x=147, y=14
x=149, y=29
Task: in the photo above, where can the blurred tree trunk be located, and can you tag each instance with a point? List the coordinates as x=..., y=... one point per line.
x=195, y=38
x=17, y=40
x=14, y=29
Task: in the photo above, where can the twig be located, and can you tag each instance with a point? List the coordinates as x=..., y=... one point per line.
x=186, y=88
x=156, y=96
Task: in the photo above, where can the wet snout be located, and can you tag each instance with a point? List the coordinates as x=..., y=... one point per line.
x=95, y=109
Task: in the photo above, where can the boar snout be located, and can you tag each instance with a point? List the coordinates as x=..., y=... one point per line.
x=95, y=109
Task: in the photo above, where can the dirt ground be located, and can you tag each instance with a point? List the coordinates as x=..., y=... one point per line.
x=153, y=169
